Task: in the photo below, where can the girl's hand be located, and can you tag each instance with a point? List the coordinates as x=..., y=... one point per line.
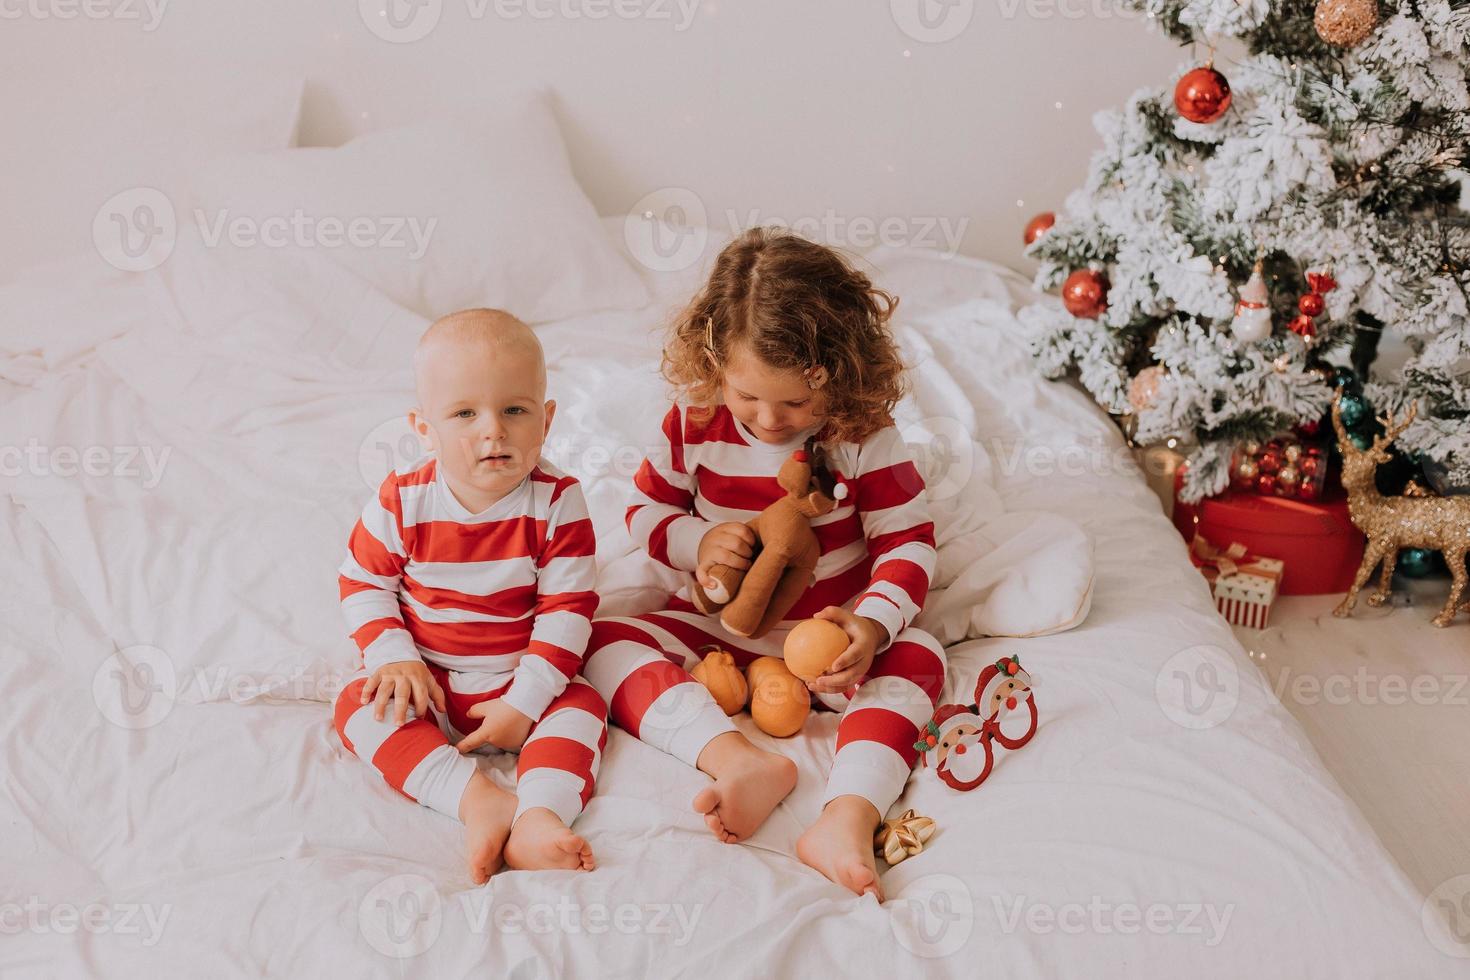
x=851, y=667
x=502, y=726
x=731, y=543
x=404, y=684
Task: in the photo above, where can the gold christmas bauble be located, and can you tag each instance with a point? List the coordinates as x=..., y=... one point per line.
x=1345, y=22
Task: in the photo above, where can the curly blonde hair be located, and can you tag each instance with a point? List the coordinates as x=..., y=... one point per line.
x=797, y=306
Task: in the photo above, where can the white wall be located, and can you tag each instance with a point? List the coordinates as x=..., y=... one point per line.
x=815, y=109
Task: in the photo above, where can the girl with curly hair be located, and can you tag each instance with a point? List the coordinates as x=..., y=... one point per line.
x=786, y=345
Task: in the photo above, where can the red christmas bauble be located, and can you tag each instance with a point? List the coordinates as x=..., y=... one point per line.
x=1266, y=484
x=1038, y=226
x=1309, y=428
x=1270, y=461
x=1085, y=293
x=1202, y=95
x=1311, y=304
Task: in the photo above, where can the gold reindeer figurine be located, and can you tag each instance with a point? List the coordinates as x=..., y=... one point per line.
x=1391, y=523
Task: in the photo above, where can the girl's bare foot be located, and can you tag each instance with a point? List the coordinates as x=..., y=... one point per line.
x=539, y=841
x=749, y=782
x=487, y=811
x=840, y=845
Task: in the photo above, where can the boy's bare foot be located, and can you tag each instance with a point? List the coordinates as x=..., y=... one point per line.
x=539, y=841
x=749, y=782
x=840, y=845
x=487, y=811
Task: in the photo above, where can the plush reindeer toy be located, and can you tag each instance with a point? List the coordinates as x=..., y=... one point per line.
x=752, y=602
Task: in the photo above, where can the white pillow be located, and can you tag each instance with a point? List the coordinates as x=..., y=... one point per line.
x=62, y=165
x=450, y=214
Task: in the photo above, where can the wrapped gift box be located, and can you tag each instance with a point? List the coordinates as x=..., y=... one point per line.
x=1244, y=598
x=1244, y=584
x=1316, y=540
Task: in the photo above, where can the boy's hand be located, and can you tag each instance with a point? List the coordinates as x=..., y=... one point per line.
x=407, y=683
x=731, y=543
x=501, y=726
x=851, y=667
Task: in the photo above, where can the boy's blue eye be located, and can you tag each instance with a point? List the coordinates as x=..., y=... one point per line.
x=464, y=413
x=515, y=410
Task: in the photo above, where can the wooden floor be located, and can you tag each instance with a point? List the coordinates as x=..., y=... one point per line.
x=1385, y=698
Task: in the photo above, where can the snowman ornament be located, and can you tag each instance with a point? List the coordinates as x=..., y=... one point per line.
x=963, y=736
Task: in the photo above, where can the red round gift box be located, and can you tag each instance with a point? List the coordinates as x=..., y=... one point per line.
x=1316, y=540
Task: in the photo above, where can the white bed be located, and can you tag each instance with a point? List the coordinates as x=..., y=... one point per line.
x=225, y=831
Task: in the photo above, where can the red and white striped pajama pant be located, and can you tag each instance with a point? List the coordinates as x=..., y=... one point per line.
x=640, y=667
x=558, y=763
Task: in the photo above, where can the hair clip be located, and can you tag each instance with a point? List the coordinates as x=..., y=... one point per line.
x=816, y=376
x=709, y=341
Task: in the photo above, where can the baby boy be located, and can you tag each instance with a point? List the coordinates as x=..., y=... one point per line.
x=468, y=587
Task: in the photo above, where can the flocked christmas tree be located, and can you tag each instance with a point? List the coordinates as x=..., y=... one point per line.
x=1246, y=234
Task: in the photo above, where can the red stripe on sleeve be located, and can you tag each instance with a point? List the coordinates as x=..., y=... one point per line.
x=889, y=486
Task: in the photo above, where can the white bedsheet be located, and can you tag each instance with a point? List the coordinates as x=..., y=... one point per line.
x=225, y=831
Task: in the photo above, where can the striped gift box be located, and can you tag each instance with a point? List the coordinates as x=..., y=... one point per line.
x=1245, y=597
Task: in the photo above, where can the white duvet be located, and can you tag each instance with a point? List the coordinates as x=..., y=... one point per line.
x=184, y=454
